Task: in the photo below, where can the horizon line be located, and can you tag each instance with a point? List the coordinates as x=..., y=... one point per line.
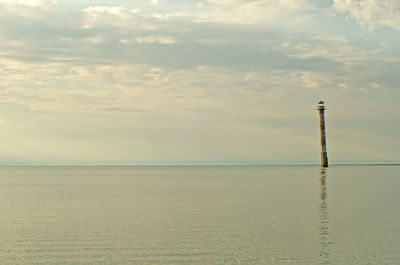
x=196, y=165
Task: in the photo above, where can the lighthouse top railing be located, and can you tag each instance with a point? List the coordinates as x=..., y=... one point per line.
x=321, y=105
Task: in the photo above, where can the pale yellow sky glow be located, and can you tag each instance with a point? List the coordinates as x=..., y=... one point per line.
x=198, y=82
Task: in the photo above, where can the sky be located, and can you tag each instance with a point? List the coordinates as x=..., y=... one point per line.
x=166, y=82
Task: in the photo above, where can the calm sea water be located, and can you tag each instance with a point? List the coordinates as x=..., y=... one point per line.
x=199, y=215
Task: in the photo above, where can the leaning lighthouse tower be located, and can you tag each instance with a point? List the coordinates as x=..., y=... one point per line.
x=324, y=155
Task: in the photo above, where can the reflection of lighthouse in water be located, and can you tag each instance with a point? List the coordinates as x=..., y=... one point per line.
x=324, y=219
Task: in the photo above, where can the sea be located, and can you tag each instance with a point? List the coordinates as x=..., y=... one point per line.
x=200, y=215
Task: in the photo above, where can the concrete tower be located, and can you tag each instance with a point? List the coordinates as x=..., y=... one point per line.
x=324, y=155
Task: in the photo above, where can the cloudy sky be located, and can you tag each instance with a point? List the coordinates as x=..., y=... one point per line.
x=198, y=82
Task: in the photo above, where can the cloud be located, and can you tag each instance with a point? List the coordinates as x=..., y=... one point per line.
x=253, y=12
x=355, y=66
x=166, y=40
x=212, y=41
x=333, y=47
x=372, y=13
x=156, y=39
x=95, y=11
x=203, y=91
x=29, y=2
x=172, y=16
x=96, y=15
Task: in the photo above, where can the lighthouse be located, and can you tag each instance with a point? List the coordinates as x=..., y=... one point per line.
x=324, y=155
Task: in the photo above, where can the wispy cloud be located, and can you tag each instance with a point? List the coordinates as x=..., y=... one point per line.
x=116, y=15
x=372, y=13
x=156, y=39
x=251, y=12
x=29, y=2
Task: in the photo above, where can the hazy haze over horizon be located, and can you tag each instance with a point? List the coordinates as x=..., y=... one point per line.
x=198, y=82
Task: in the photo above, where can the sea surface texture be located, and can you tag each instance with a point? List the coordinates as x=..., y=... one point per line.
x=199, y=215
